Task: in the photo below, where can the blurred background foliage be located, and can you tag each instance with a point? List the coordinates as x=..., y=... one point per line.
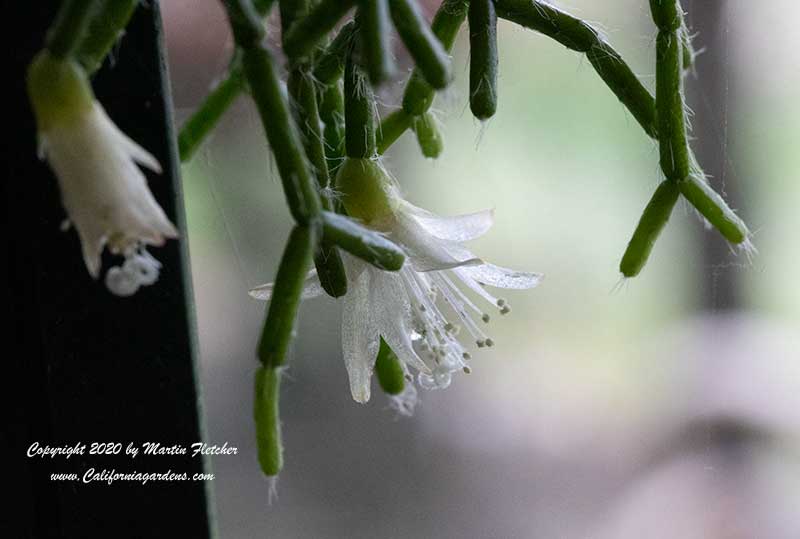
x=669, y=408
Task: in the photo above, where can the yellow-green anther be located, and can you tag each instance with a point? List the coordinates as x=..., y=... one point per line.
x=673, y=143
x=376, y=49
x=713, y=208
x=307, y=32
x=428, y=136
x=106, y=26
x=389, y=370
x=277, y=332
x=368, y=245
x=428, y=53
x=359, y=112
x=266, y=411
x=329, y=66
x=652, y=222
x=482, y=58
x=59, y=91
x=69, y=29
x=364, y=187
x=418, y=95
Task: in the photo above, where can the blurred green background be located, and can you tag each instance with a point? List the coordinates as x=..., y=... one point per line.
x=669, y=408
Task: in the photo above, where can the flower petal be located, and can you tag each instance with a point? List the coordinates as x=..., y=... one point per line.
x=136, y=152
x=359, y=338
x=498, y=277
x=311, y=288
x=391, y=311
x=456, y=228
x=425, y=251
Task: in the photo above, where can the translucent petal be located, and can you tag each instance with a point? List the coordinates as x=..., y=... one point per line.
x=359, y=338
x=311, y=288
x=498, y=277
x=457, y=228
x=391, y=311
x=426, y=252
x=136, y=152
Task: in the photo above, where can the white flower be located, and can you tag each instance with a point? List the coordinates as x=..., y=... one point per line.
x=103, y=190
x=420, y=309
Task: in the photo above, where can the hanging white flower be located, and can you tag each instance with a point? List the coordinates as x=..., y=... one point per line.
x=419, y=310
x=103, y=190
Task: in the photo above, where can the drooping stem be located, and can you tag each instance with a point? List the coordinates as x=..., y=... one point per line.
x=392, y=128
x=210, y=111
x=303, y=95
x=106, y=26
x=654, y=219
x=205, y=118
x=359, y=112
x=670, y=109
x=482, y=58
x=370, y=246
x=426, y=49
x=310, y=30
x=373, y=20
x=69, y=28
x=579, y=36
x=419, y=94
x=330, y=63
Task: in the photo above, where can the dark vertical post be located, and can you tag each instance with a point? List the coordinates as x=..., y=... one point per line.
x=708, y=96
x=87, y=366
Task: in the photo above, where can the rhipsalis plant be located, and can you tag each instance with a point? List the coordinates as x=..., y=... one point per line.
x=415, y=303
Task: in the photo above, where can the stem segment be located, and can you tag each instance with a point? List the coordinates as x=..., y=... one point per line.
x=69, y=28
x=106, y=26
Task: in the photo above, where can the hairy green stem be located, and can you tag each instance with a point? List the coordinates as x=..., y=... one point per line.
x=302, y=90
x=359, y=112
x=392, y=127
x=418, y=95
x=331, y=111
x=366, y=244
x=277, y=332
x=106, y=26
x=68, y=30
x=208, y=114
x=429, y=138
x=298, y=181
x=654, y=219
x=266, y=411
x=330, y=63
x=670, y=109
x=373, y=20
x=579, y=36
x=205, y=118
x=425, y=48
x=482, y=58
x=307, y=32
